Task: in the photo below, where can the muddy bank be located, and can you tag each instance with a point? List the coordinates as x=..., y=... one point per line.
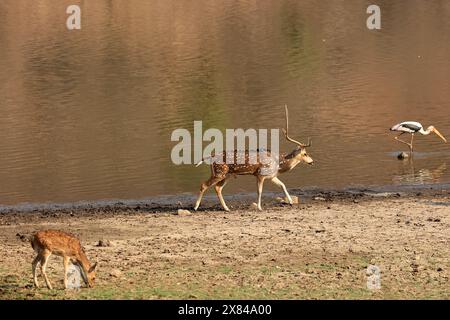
x=239, y=201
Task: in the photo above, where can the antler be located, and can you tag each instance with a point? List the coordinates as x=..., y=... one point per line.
x=286, y=134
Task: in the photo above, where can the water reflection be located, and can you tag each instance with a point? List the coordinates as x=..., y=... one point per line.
x=408, y=174
x=88, y=114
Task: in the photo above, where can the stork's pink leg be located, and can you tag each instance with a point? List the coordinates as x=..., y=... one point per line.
x=408, y=144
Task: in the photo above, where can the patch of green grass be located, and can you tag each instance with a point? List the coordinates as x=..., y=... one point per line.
x=285, y=281
x=225, y=269
x=361, y=260
x=322, y=266
x=269, y=270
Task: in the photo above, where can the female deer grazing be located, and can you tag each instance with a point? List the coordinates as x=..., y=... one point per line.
x=265, y=167
x=68, y=246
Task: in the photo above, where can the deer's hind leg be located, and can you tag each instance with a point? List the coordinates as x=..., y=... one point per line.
x=219, y=186
x=218, y=173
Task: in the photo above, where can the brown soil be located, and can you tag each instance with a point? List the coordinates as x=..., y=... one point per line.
x=318, y=249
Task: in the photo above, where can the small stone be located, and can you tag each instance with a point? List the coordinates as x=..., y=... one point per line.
x=402, y=156
x=116, y=273
x=320, y=198
x=286, y=200
x=254, y=206
x=182, y=212
x=439, y=269
x=104, y=243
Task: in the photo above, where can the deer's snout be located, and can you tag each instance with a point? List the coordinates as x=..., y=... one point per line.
x=308, y=160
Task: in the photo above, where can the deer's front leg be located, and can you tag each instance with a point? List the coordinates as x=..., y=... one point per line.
x=44, y=260
x=66, y=261
x=33, y=267
x=279, y=183
x=260, y=183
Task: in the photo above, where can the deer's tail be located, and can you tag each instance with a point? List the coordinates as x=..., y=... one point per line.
x=201, y=161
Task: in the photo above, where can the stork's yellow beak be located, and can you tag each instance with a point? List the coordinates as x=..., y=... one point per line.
x=439, y=134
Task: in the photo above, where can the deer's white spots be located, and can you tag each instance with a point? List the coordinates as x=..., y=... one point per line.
x=214, y=152
x=73, y=22
x=241, y=136
x=374, y=20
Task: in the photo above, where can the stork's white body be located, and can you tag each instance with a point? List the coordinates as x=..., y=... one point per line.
x=408, y=127
x=413, y=127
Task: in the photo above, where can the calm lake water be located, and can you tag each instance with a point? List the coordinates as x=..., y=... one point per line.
x=88, y=114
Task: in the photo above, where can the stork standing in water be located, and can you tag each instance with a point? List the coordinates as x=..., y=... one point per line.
x=413, y=127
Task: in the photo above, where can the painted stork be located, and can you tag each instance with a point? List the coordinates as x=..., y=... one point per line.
x=413, y=127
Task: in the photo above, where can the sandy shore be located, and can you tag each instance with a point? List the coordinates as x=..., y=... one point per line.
x=319, y=248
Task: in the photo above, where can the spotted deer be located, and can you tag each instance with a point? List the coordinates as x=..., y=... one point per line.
x=48, y=242
x=266, y=166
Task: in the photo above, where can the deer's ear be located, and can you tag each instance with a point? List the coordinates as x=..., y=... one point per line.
x=93, y=267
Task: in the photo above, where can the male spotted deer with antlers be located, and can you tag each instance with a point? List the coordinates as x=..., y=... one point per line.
x=266, y=166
